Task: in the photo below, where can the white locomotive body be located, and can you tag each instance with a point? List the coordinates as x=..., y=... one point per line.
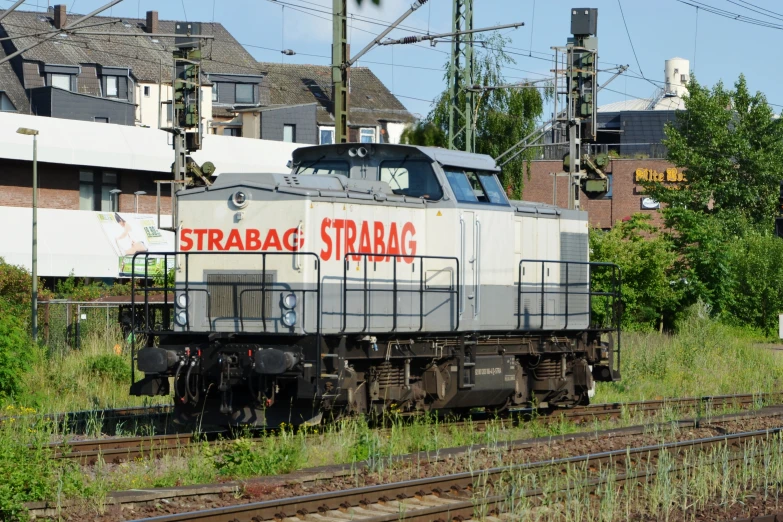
x=373, y=276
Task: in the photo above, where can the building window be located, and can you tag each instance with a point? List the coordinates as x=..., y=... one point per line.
x=367, y=135
x=245, y=93
x=101, y=119
x=611, y=187
x=215, y=93
x=146, y=91
x=95, y=190
x=112, y=86
x=5, y=103
x=289, y=133
x=232, y=131
x=327, y=136
x=62, y=81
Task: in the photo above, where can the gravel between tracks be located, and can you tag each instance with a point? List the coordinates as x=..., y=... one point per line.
x=447, y=462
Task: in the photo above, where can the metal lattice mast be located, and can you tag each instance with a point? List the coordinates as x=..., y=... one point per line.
x=461, y=76
x=339, y=71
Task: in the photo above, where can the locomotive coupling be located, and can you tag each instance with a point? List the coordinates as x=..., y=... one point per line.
x=271, y=361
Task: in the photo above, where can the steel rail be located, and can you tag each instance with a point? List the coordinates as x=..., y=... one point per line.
x=124, y=449
x=444, y=497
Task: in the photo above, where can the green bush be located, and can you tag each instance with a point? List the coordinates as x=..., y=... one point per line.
x=16, y=354
x=15, y=289
x=110, y=366
x=755, y=271
x=648, y=263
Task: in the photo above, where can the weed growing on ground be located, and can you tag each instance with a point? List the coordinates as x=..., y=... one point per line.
x=705, y=358
x=671, y=487
x=272, y=455
x=91, y=377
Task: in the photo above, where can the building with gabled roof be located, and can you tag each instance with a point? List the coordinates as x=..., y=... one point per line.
x=127, y=80
x=300, y=106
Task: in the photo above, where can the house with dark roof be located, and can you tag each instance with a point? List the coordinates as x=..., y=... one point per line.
x=300, y=107
x=127, y=80
x=116, y=79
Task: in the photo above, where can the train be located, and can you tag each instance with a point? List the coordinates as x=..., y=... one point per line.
x=372, y=278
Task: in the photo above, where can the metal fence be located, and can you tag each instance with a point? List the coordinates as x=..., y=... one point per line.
x=65, y=325
x=617, y=150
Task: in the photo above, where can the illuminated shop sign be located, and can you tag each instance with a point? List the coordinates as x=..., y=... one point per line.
x=670, y=175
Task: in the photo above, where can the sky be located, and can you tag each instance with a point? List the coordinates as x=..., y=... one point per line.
x=718, y=48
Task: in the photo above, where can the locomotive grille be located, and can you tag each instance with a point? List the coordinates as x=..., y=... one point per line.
x=235, y=295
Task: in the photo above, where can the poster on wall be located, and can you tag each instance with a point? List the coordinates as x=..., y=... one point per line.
x=131, y=234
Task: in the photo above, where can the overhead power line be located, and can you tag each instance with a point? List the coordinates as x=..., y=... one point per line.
x=731, y=15
x=620, y=5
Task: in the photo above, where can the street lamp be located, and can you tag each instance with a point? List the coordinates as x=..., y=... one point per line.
x=115, y=195
x=136, y=199
x=34, y=134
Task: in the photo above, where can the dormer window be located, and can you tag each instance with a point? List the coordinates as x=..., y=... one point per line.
x=245, y=93
x=61, y=81
x=112, y=86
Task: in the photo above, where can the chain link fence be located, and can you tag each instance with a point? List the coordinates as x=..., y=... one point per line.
x=64, y=325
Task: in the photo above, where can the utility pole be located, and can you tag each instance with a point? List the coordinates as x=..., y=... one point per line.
x=462, y=50
x=342, y=62
x=461, y=76
x=339, y=71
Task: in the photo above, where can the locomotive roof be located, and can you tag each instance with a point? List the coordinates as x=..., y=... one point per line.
x=452, y=158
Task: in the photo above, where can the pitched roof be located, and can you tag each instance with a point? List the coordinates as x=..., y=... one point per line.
x=370, y=100
x=12, y=86
x=143, y=54
x=147, y=57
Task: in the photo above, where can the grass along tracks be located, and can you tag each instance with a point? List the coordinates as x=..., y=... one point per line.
x=622, y=482
x=123, y=449
x=380, y=469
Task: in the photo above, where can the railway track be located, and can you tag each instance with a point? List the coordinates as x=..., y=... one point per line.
x=453, y=497
x=197, y=496
x=105, y=421
x=117, y=450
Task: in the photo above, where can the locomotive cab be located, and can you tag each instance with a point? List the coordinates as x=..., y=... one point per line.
x=374, y=276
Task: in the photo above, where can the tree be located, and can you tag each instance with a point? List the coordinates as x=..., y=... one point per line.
x=730, y=145
x=503, y=116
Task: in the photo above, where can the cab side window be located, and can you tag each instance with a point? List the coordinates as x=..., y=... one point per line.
x=413, y=178
x=476, y=186
x=324, y=167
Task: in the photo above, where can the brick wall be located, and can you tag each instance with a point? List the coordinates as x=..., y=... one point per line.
x=626, y=193
x=58, y=187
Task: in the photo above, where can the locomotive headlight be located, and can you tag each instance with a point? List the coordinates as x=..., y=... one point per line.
x=289, y=318
x=182, y=300
x=289, y=301
x=181, y=318
x=240, y=199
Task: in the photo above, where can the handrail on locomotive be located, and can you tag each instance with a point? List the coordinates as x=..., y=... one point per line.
x=613, y=293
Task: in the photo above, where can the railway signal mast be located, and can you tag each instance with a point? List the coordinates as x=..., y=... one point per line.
x=576, y=78
x=186, y=126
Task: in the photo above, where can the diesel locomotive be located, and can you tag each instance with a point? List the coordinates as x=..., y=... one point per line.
x=373, y=276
